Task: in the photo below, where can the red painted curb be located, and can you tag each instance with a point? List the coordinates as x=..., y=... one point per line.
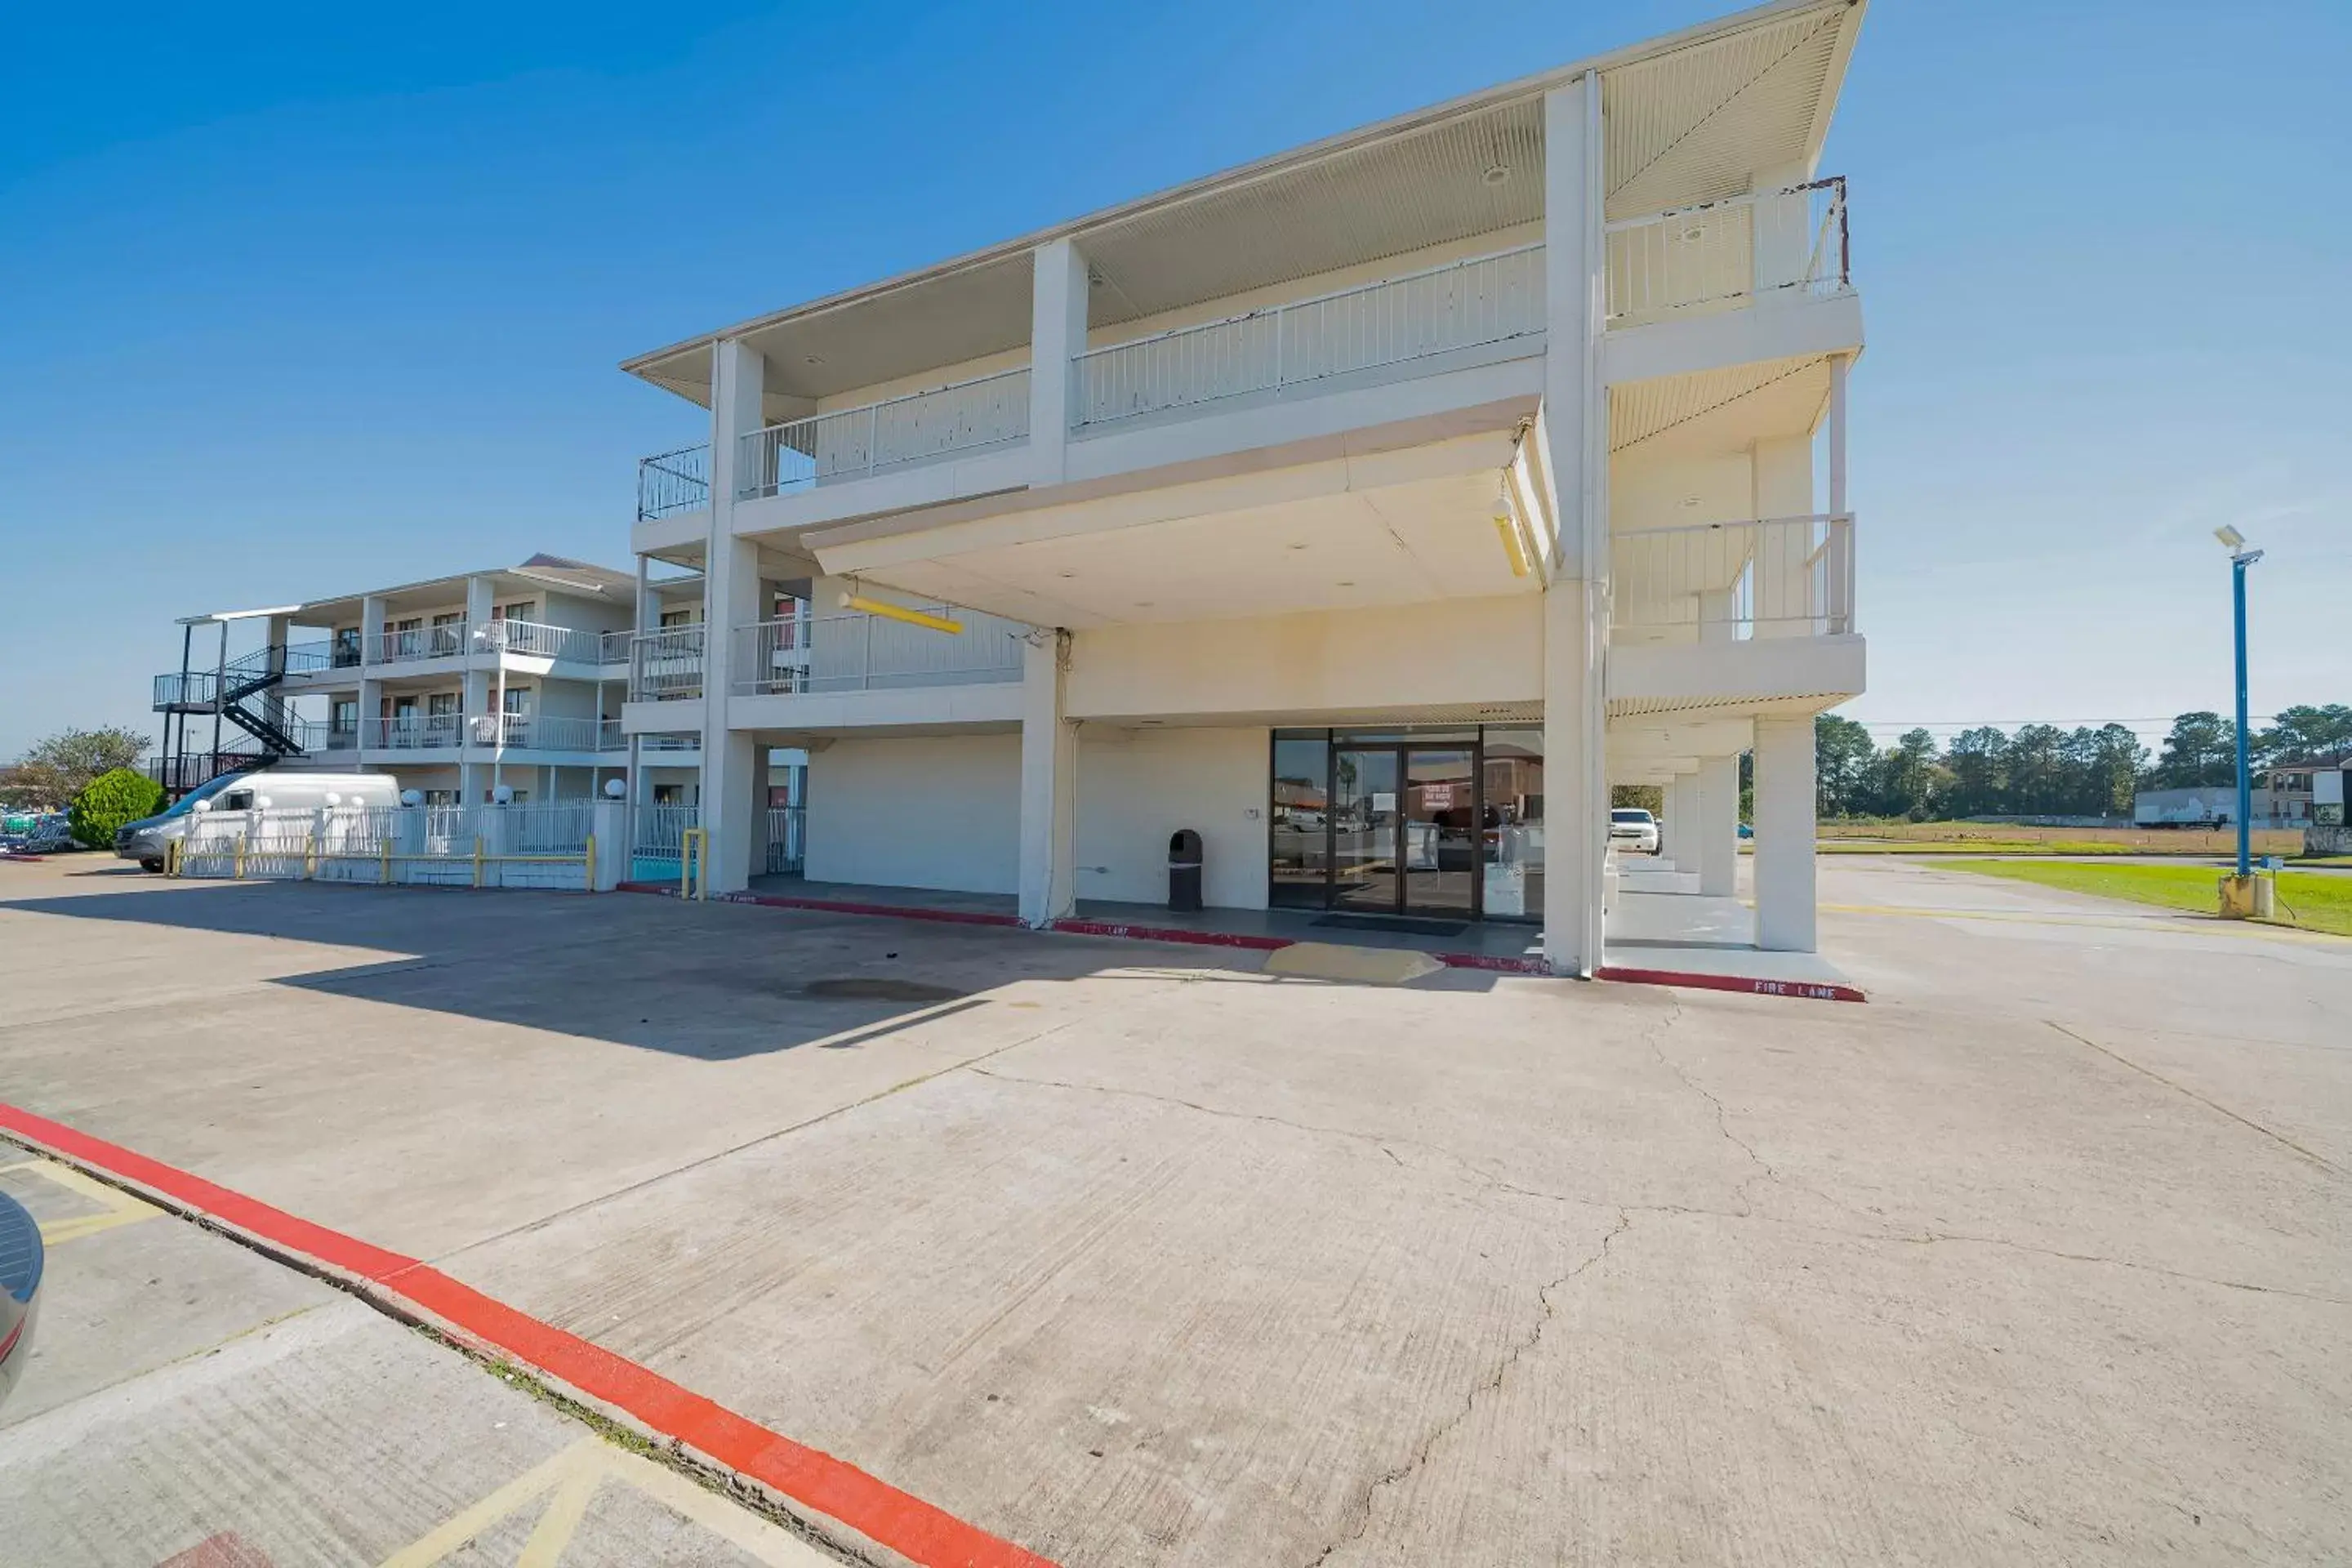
x=833, y=1488
x=1817, y=991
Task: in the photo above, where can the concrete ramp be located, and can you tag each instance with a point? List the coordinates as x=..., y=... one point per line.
x=1356, y=966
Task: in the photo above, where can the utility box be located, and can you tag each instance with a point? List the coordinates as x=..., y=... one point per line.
x=1183, y=869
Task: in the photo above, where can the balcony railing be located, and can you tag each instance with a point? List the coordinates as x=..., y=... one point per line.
x=535, y=731
x=666, y=666
x=849, y=443
x=1773, y=242
x=670, y=742
x=413, y=732
x=864, y=653
x=403, y=644
x=536, y=640
x=1787, y=576
x=671, y=483
x=1465, y=304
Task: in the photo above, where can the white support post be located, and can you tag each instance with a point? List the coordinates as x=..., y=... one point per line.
x=1057, y=335
x=371, y=688
x=1683, y=831
x=1718, y=826
x=1839, y=364
x=1049, y=766
x=1784, y=834
x=731, y=598
x=1573, y=426
x=1782, y=478
x=610, y=823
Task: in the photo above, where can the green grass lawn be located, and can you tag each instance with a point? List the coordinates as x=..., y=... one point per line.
x=2309, y=900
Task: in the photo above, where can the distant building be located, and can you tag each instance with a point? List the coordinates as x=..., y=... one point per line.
x=2206, y=806
x=2311, y=792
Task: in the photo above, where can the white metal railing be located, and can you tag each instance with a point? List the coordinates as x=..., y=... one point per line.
x=670, y=742
x=786, y=848
x=859, y=652
x=987, y=411
x=666, y=665
x=413, y=732
x=1786, y=576
x=535, y=639
x=536, y=732
x=613, y=647
x=401, y=645
x=673, y=481
x=1719, y=252
x=1463, y=304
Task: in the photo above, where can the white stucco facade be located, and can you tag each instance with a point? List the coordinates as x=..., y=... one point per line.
x=1506, y=438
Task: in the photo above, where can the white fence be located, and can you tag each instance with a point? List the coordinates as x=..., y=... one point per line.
x=988, y=411
x=1787, y=576
x=1484, y=300
x=787, y=848
x=547, y=847
x=1721, y=254
x=859, y=652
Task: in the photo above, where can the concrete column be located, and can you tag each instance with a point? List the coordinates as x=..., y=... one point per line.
x=731, y=598
x=481, y=598
x=1574, y=428
x=1049, y=784
x=611, y=827
x=1782, y=470
x=1682, y=841
x=371, y=688
x=1784, y=834
x=1718, y=826
x=1057, y=334
x=1783, y=237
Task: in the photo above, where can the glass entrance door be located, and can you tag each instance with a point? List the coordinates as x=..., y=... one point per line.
x=1365, y=874
x=1441, y=831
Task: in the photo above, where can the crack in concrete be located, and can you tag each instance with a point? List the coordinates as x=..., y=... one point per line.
x=1492, y=1382
x=1935, y=1237
x=2321, y=1160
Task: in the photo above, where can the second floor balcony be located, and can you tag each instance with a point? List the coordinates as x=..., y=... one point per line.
x=972, y=415
x=856, y=652
x=1731, y=582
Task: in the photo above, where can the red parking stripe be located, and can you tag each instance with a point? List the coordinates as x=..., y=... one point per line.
x=810, y=1477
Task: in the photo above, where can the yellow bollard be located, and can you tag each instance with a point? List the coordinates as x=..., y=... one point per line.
x=310, y=856
x=242, y=839
x=694, y=863
x=384, y=867
x=172, y=858
x=477, y=859
x=589, y=870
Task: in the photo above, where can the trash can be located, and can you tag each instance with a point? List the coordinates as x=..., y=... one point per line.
x=1183, y=869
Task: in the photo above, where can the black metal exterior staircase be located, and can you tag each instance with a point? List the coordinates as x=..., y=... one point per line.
x=244, y=692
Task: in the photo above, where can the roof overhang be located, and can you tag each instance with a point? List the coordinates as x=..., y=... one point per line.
x=1693, y=115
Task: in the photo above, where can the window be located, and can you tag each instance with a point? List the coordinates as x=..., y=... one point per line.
x=1300, y=848
x=441, y=797
x=449, y=634
x=346, y=647
x=669, y=794
x=681, y=618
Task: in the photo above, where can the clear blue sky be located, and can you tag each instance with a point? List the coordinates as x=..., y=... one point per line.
x=305, y=299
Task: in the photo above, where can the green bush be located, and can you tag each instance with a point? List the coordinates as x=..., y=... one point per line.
x=109, y=800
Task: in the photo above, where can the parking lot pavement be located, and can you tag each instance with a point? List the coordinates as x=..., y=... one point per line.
x=193, y=1403
x=1135, y=1254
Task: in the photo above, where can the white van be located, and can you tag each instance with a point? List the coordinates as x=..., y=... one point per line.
x=143, y=840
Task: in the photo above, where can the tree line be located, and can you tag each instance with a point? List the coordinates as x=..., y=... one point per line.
x=2045, y=771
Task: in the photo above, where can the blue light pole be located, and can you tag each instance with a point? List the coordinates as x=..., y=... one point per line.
x=2240, y=559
